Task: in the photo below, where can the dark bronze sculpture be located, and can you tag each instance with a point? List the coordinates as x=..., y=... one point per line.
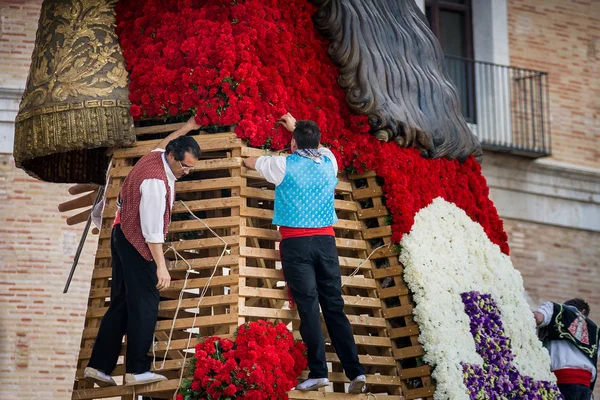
x=392, y=68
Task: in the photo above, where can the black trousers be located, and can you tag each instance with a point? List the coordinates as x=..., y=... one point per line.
x=133, y=309
x=575, y=392
x=312, y=271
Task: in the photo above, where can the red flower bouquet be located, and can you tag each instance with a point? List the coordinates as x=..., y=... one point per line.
x=263, y=363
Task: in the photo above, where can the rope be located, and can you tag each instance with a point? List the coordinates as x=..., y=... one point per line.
x=363, y=261
x=202, y=294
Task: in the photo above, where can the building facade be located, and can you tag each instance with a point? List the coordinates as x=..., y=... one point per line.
x=528, y=73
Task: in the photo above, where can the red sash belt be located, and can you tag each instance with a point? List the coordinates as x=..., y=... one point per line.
x=287, y=232
x=572, y=376
x=117, y=220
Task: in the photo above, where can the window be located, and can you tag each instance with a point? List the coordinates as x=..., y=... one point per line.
x=451, y=22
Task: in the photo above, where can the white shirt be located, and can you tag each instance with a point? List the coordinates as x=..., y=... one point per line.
x=272, y=168
x=563, y=354
x=152, y=205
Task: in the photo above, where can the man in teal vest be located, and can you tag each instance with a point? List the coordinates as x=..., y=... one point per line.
x=304, y=194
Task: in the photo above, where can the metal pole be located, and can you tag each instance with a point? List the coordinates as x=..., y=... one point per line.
x=82, y=240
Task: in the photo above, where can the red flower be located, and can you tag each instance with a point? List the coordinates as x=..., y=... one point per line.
x=230, y=390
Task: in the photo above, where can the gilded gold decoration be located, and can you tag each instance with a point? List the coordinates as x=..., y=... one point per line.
x=76, y=102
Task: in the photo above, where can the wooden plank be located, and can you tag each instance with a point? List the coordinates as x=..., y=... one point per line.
x=208, y=143
x=405, y=331
x=409, y=352
x=417, y=372
x=348, y=224
x=374, y=212
x=401, y=311
x=393, y=292
x=195, y=225
x=298, y=395
x=191, y=186
x=289, y=315
x=380, y=273
x=178, y=285
x=255, y=193
x=419, y=393
x=366, y=193
x=252, y=212
x=171, y=305
x=209, y=243
x=213, y=164
x=358, y=282
x=282, y=294
x=192, y=244
x=344, y=186
x=365, y=359
x=374, y=233
x=374, y=380
x=208, y=184
x=195, y=205
x=262, y=273
x=180, y=324
x=260, y=233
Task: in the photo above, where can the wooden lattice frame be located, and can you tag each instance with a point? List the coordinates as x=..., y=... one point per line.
x=237, y=203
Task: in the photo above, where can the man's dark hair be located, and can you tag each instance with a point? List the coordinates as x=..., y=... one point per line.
x=580, y=304
x=184, y=144
x=307, y=135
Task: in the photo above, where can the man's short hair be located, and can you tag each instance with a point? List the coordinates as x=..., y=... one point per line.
x=184, y=144
x=579, y=304
x=307, y=135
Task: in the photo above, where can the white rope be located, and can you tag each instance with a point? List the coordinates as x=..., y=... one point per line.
x=205, y=290
x=202, y=294
x=363, y=261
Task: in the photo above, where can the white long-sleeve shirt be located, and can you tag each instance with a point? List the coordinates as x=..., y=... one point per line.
x=272, y=168
x=563, y=354
x=152, y=205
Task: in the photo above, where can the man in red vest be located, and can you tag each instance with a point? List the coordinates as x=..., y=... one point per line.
x=139, y=270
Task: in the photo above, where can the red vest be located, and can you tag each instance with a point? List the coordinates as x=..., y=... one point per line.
x=148, y=167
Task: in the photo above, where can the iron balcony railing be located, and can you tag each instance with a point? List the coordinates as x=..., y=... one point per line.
x=506, y=107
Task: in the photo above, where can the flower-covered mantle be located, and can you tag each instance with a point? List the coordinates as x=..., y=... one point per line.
x=247, y=63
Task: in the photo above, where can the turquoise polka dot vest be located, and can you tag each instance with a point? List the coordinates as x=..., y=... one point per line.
x=304, y=199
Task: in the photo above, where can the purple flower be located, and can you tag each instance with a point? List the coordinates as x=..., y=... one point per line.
x=498, y=377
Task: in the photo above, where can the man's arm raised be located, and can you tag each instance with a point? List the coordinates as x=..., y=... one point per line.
x=190, y=125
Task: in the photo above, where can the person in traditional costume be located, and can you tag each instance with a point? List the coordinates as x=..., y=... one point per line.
x=139, y=270
x=304, y=210
x=572, y=341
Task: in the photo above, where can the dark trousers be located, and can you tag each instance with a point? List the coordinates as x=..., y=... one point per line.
x=575, y=392
x=312, y=271
x=133, y=309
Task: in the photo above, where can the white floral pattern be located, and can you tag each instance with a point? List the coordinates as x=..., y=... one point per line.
x=446, y=254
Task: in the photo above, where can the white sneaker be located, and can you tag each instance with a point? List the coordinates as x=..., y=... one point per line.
x=312, y=384
x=143, y=378
x=358, y=385
x=98, y=377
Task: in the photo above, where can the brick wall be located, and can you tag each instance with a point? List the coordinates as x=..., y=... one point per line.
x=18, y=24
x=40, y=326
x=562, y=37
